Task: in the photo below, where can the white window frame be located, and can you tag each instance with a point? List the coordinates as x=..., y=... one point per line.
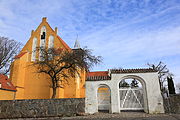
x=51, y=41
x=34, y=45
x=42, y=42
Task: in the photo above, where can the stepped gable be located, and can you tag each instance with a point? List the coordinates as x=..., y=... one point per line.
x=5, y=83
x=58, y=38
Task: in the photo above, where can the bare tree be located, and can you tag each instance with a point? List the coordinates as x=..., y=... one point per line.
x=8, y=50
x=163, y=72
x=123, y=83
x=60, y=64
x=134, y=83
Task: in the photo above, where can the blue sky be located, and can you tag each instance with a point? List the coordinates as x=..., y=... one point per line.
x=126, y=33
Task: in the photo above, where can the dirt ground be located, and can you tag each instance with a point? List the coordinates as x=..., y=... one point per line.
x=107, y=116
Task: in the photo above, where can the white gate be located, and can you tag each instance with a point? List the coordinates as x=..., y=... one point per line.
x=103, y=98
x=131, y=98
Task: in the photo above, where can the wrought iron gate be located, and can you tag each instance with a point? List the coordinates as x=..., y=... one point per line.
x=103, y=98
x=131, y=98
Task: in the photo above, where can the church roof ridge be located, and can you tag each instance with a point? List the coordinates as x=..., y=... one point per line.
x=20, y=55
x=64, y=43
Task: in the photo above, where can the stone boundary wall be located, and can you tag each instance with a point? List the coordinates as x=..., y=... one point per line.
x=172, y=104
x=33, y=108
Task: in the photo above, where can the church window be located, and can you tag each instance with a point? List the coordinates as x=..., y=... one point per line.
x=42, y=42
x=43, y=35
x=50, y=45
x=34, y=45
x=51, y=41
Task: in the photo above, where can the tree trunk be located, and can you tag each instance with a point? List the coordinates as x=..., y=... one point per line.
x=54, y=93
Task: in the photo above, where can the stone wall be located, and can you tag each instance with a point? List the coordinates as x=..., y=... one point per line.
x=41, y=107
x=172, y=104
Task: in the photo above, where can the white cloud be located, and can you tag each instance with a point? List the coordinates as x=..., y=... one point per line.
x=125, y=32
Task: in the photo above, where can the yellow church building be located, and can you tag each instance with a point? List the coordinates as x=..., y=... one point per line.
x=31, y=85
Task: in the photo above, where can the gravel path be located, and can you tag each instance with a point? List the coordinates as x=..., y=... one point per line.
x=107, y=116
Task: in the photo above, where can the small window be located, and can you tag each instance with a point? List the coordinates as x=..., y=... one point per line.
x=43, y=35
x=42, y=41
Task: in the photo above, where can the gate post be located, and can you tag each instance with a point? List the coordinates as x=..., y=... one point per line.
x=91, y=102
x=115, y=99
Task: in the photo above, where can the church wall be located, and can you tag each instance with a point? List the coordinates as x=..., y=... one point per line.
x=17, y=78
x=82, y=84
x=14, y=71
x=36, y=85
x=70, y=88
x=7, y=95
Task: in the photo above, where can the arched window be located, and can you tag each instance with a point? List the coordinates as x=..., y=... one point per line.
x=34, y=45
x=51, y=41
x=42, y=41
x=43, y=37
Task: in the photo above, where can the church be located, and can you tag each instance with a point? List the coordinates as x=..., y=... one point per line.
x=24, y=77
x=114, y=90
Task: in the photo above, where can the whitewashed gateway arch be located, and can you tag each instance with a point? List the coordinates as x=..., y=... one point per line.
x=117, y=96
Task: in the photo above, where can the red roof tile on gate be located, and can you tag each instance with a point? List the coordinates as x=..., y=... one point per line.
x=99, y=75
x=103, y=75
x=138, y=70
x=6, y=83
x=20, y=55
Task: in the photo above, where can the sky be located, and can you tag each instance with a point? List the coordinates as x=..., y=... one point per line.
x=126, y=33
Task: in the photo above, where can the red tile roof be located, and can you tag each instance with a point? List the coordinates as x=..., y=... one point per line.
x=20, y=55
x=99, y=75
x=139, y=70
x=64, y=44
x=6, y=83
x=103, y=75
